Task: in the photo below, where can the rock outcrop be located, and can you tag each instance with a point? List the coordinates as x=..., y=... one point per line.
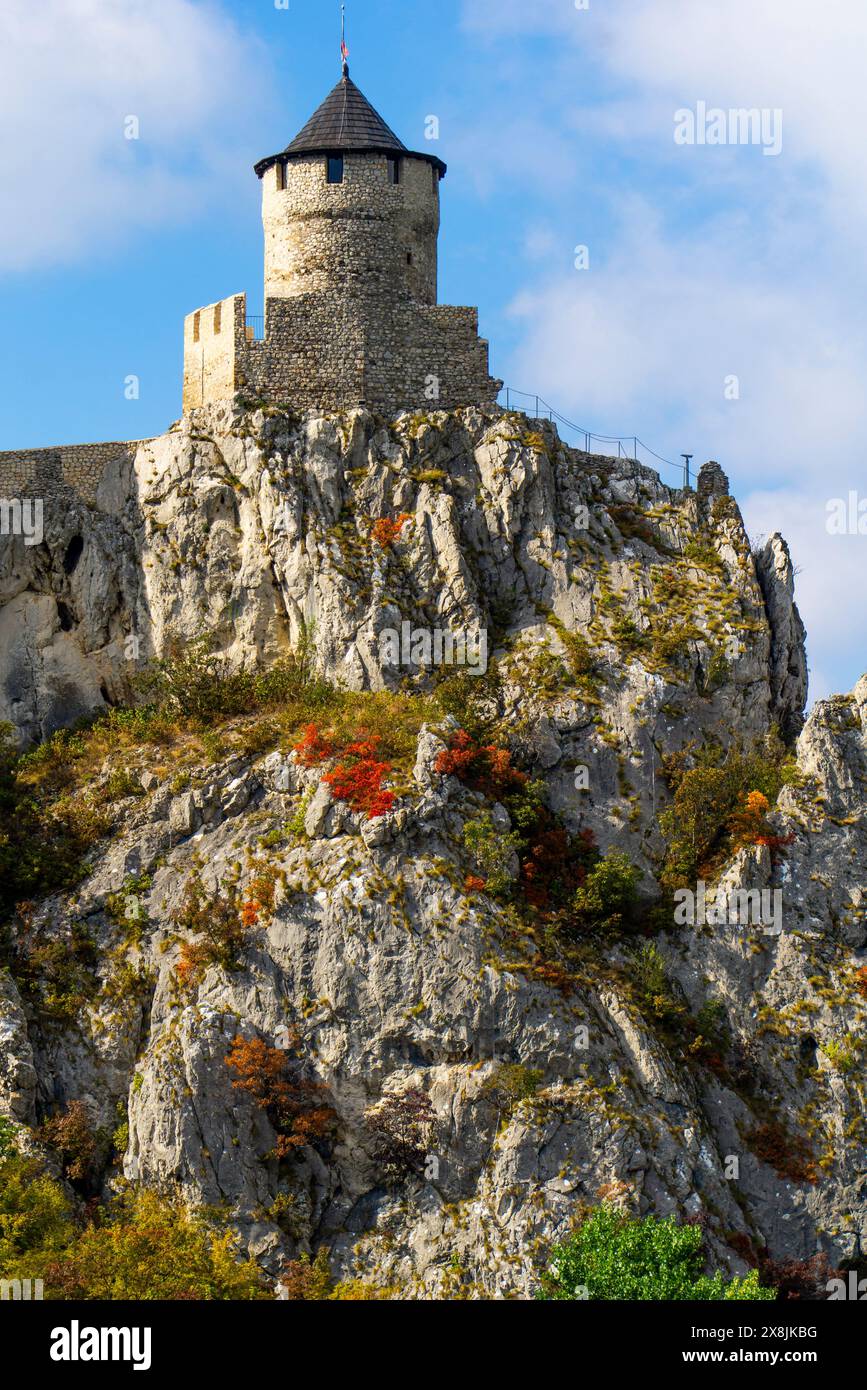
x=631, y=623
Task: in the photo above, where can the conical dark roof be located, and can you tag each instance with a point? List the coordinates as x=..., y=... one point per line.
x=345, y=121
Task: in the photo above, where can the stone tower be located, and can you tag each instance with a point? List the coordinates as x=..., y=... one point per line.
x=351, y=220
x=372, y=230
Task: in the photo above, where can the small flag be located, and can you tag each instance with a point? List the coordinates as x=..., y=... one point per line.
x=344, y=50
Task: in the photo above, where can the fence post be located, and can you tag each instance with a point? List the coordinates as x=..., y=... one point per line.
x=507, y=398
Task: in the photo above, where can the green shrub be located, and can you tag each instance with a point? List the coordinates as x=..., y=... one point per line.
x=711, y=1020
x=609, y=892
x=44, y=836
x=35, y=1219
x=8, y=1138
x=512, y=1083
x=627, y=634
x=652, y=986
x=491, y=851
x=152, y=1247
x=706, y=797
x=615, y=1257
x=196, y=682
x=701, y=551
x=474, y=701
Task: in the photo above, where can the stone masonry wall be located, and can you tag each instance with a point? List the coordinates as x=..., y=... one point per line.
x=48, y=473
x=330, y=351
x=213, y=338
x=324, y=351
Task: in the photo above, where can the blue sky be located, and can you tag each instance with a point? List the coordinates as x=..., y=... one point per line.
x=557, y=123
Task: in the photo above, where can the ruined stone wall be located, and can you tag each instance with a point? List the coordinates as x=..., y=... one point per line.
x=50, y=472
x=365, y=235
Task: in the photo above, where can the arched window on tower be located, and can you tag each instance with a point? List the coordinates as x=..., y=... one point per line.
x=335, y=168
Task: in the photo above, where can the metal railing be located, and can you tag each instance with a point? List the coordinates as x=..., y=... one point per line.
x=544, y=411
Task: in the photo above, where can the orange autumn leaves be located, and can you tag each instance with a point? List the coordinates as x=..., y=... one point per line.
x=750, y=825
x=385, y=532
x=294, y=1105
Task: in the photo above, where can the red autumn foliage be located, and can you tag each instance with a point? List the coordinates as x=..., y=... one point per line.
x=549, y=858
x=553, y=866
x=804, y=1280
x=861, y=981
x=293, y=1105
x=487, y=769
x=359, y=784
x=385, y=531
x=557, y=976
x=311, y=749
x=250, y=913
x=73, y=1136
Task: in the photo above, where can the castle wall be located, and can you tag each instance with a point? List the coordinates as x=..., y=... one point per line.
x=48, y=473
x=363, y=235
x=324, y=351
x=212, y=338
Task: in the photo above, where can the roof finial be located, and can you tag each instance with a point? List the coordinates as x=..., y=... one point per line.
x=344, y=51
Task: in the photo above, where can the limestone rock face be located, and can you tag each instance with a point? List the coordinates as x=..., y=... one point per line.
x=393, y=973
x=397, y=979
x=248, y=524
x=776, y=575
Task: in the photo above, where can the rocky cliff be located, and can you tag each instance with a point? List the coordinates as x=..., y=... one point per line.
x=709, y=1069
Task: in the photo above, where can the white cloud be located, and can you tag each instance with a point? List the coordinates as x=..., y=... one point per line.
x=651, y=335
x=71, y=71
x=728, y=263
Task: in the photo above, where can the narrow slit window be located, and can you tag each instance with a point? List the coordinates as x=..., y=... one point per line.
x=394, y=171
x=409, y=258
x=197, y=323
x=335, y=168
x=281, y=176
x=218, y=318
